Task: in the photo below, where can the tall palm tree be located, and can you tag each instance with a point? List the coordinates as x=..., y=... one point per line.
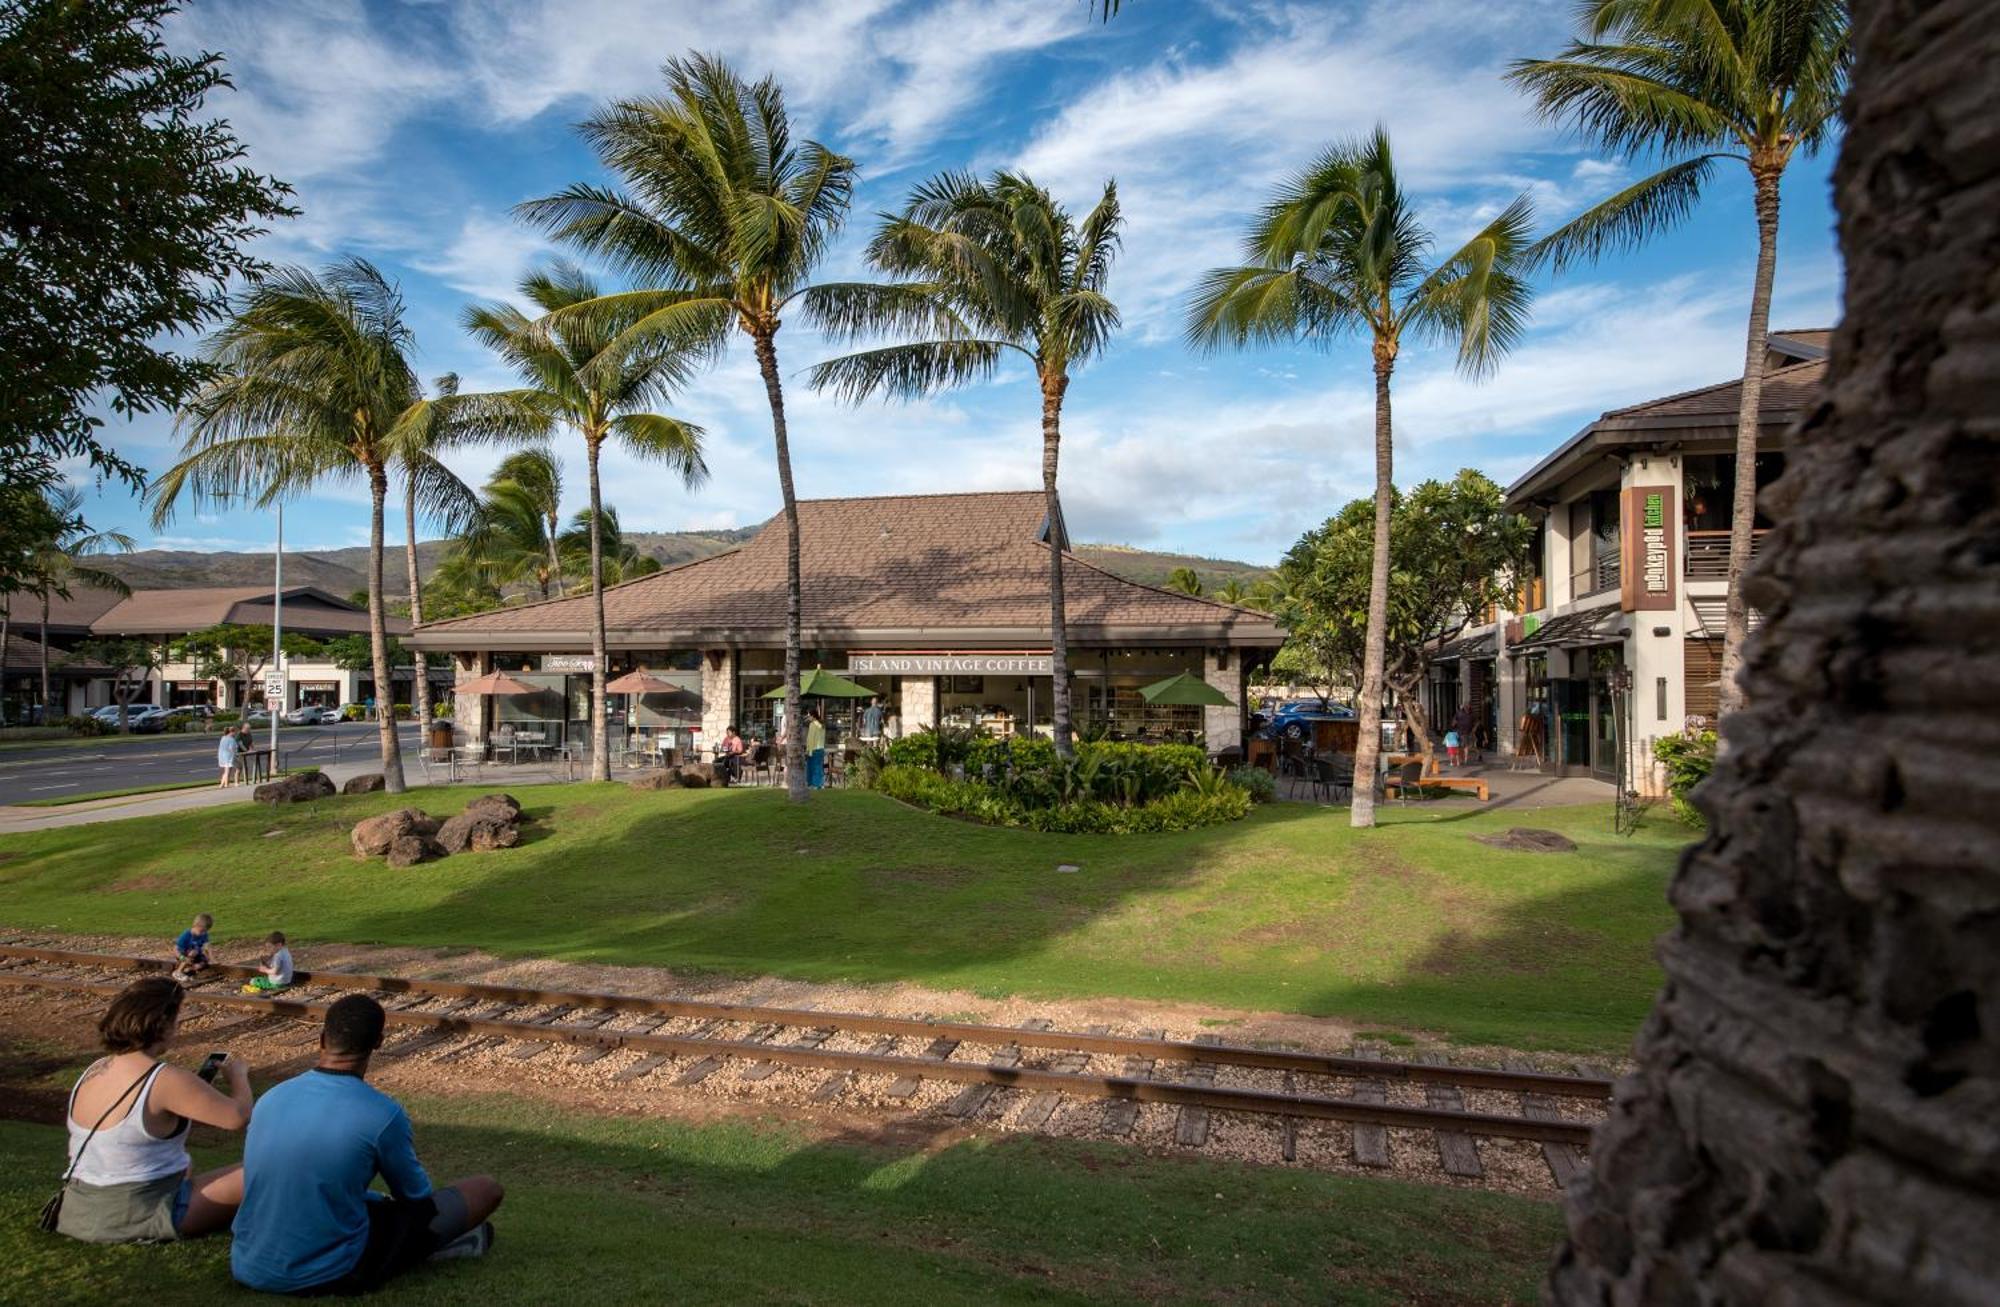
x=312, y=381
x=1186, y=581
x=593, y=373
x=725, y=217
x=1339, y=251
x=1233, y=591
x=431, y=490
x=623, y=560
x=514, y=532
x=61, y=563
x=536, y=474
x=1758, y=81
x=987, y=269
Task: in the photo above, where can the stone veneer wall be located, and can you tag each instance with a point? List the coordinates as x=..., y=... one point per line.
x=468, y=711
x=919, y=703
x=1815, y=1115
x=718, y=694
x=1223, y=726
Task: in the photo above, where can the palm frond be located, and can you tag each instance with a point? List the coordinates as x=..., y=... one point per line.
x=909, y=371
x=1629, y=218
x=664, y=440
x=1479, y=297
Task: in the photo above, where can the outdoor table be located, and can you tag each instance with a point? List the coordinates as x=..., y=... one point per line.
x=254, y=765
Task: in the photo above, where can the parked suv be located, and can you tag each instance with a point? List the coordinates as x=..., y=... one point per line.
x=1294, y=718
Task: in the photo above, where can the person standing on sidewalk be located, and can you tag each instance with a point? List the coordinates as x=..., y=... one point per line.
x=225, y=757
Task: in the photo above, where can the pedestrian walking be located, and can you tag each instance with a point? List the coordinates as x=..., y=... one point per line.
x=226, y=750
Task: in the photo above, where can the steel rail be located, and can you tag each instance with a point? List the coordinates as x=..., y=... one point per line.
x=1260, y=1101
x=1590, y=1087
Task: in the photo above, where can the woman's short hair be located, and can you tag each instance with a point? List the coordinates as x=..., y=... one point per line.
x=142, y=1016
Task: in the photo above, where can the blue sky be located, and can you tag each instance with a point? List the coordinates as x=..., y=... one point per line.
x=410, y=130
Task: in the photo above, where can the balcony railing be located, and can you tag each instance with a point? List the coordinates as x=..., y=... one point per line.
x=1601, y=575
x=1708, y=554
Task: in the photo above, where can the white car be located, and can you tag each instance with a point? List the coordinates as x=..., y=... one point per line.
x=311, y=714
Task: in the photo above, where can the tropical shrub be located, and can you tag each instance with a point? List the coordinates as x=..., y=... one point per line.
x=85, y=725
x=1032, y=801
x=226, y=718
x=1688, y=758
x=869, y=760
x=1259, y=784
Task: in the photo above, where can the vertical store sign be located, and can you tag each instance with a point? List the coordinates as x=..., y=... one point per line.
x=1646, y=577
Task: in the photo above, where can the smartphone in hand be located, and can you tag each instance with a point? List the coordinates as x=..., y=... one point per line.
x=211, y=1066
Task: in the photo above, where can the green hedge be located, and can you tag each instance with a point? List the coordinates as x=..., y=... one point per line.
x=1689, y=758
x=1188, y=808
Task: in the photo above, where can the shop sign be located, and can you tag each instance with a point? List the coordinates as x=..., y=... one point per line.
x=318, y=687
x=950, y=665
x=1646, y=576
x=569, y=662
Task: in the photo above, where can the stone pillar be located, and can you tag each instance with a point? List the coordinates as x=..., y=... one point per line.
x=1223, y=726
x=718, y=694
x=1811, y=1116
x=468, y=711
x=919, y=704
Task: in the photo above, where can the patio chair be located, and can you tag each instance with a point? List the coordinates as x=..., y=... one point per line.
x=1336, y=775
x=761, y=763
x=438, y=762
x=1409, y=776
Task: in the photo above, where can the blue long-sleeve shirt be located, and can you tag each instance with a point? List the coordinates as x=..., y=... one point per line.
x=316, y=1142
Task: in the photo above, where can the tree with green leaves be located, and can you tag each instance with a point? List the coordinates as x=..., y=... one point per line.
x=312, y=383
x=233, y=651
x=601, y=378
x=622, y=559
x=1185, y=581
x=985, y=270
x=1694, y=84
x=1454, y=551
x=724, y=217
x=127, y=215
x=1232, y=591
x=65, y=561
x=430, y=490
x=132, y=660
x=1339, y=251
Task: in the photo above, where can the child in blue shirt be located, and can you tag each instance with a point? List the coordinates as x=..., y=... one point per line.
x=191, y=948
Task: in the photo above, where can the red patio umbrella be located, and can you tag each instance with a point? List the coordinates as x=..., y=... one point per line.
x=495, y=683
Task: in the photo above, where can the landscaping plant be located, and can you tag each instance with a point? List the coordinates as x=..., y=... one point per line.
x=1688, y=757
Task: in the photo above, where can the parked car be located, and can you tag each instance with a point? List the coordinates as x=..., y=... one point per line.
x=311, y=714
x=260, y=713
x=1293, y=719
x=146, y=720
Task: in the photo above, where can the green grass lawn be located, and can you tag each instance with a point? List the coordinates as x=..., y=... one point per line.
x=633, y=1210
x=1411, y=925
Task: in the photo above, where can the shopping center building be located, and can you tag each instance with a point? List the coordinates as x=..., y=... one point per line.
x=1617, y=640
x=937, y=602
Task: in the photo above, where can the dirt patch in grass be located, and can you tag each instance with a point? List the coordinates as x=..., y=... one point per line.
x=143, y=885
x=1541, y=951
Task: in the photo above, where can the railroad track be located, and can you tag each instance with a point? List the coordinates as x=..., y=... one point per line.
x=1028, y=1071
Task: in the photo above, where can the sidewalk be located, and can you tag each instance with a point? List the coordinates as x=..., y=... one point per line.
x=1510, y=788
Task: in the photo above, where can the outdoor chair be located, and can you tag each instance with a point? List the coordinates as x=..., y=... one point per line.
x=1336, y=776
x=760, y=763
x=438, y=762
x=1409, y=776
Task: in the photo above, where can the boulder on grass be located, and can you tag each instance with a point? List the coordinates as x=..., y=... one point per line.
x=366, y=783
x=477, y=832
x=659, y=780
x=697, y=778
x=497, y=807
x=300, y=788
x=373, y=836
x=409, y=850
x=1527, y=839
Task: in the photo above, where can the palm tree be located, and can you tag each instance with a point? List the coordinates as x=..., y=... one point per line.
x=1233, y=591
x=312, y=383
x=1758, y=81
x=987, y=268
x=536, y=476
x=430, y=489
x=1339, y=250
x=623, y=560
x=594, y=373
x=513, y=534
x=1185, y=581
x=59, y=564
x=726, y=217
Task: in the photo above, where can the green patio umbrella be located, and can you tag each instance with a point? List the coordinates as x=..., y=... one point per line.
x=1185, y=689
x=822, y=684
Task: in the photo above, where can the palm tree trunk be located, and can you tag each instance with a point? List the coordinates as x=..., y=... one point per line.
x=45, y=656
x=1368, y=741
x=6, y=633
x=795, y=735
x=1743, y=509
x=378, y=635
x=600, y=727
x=1059, y=707
x=420, y=690
x=554, y=524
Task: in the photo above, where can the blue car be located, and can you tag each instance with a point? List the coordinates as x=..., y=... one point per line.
x=1294, y=718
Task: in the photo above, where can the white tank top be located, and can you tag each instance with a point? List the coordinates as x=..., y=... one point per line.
x=125, y=1153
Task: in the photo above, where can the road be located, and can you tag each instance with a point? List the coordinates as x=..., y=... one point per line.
x=53, y=773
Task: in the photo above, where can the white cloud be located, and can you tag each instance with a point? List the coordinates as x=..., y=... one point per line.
x=487, y=257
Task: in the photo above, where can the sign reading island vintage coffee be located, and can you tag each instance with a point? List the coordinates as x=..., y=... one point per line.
x=938, y=603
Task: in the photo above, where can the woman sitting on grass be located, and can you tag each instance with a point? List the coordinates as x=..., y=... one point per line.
x=130, y=1179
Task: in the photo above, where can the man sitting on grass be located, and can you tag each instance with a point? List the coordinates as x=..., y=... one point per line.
x=309, y=1222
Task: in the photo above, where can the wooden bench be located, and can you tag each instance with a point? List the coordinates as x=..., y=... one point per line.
x=1433, y=780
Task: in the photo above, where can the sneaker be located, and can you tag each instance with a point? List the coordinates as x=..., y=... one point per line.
x=473, y=1243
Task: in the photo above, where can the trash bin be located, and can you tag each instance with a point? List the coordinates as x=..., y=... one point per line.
x=440, y=735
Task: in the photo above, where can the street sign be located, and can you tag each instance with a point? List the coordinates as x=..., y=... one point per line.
x=274, y=685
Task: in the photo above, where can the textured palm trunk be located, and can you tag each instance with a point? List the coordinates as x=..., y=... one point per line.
x=1743, y=508
x=555, y=555
x=1059, y=705
x=45, y=656
x=1368, y=741
x=795, y=735
x=6, y=633
x=378, y=635
x=420, y=689
x=1811, y=1117
x=600, y=726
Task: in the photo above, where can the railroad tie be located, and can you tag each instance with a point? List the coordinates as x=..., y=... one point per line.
x=425, y=1040
x=812, y=1038
x=940, y=1049
x=1371, y=1142
x=588, y=1021
x=592, y=1052
x=1565, y=1160
x=652, y=1062
x=1456, y=1151
x=1191, y=1130
x=1035, y=1113
x=1288, y=1126
x=708, y=1066
x=834, y=1085
x=233, y=1028
x=1121, y=1114
x=492, y=1041
x=976, y=1096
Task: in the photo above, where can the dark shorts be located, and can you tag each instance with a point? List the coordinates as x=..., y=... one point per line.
x=401, y=1235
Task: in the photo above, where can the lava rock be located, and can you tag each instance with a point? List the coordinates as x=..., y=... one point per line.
x=376, y=835
x=1527, y=839
x=409, y=850
x=477, y=832
x=498, y=807
x=302, y=788
x=659, y=780
x=696, y=778
x=367, y=783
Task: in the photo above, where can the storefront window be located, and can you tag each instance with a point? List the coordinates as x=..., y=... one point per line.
x=1709, y=488
x=1107, y=697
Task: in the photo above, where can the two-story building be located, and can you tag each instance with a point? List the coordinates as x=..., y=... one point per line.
x=1617, y=637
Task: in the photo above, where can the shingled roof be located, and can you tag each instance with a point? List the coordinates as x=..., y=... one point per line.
x=308, y=609
x=1784, y=397
x=902, y=570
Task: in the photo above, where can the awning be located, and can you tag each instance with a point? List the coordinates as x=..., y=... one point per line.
x=1711, y=615
x=1575, y=630
x=1471, y=646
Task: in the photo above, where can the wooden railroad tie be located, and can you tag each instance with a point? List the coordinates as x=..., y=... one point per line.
x=592, y=1052
x=1191, y=1129
x=1123, y=1113
x=906, y=1085
x=588, y=1021
x=1565, y=1161
x=652, y=1062
x=708, y=1066
x=834, y=1085
x=1457, y=1152
x=1035, y=1113
x=812, y=1038
x=1371, y=1142
x=973, y=1098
